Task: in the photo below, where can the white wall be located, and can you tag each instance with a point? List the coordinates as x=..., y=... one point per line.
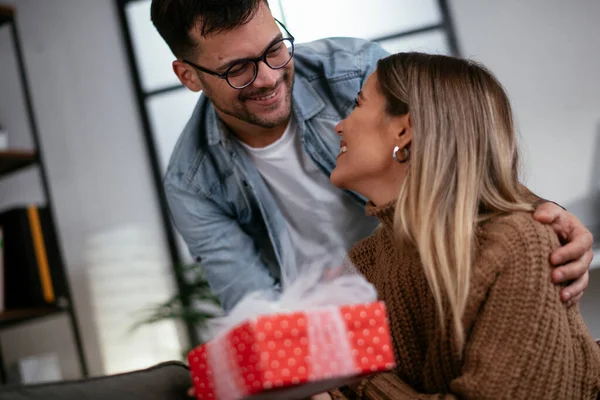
x=547, y=54
x=100, y=179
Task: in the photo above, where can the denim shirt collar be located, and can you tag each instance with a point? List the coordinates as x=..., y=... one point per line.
x=306, y=100
x=215, y=131
x=306, y=103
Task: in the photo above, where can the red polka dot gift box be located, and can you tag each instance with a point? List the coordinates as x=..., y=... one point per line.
x=294, y=355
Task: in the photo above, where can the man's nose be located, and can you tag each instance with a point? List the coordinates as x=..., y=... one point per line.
x=266, y=77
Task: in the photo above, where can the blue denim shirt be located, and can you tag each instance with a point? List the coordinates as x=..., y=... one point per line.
x=217, y=198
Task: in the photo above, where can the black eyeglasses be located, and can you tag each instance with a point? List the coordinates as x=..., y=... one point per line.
x=241, y=73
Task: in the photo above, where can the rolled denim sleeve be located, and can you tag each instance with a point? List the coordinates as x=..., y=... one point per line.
x=229, y=257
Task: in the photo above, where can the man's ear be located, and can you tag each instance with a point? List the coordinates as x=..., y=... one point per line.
x=187, y=75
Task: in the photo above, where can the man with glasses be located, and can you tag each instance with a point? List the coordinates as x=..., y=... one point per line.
x=248, y=182
x=242, y=73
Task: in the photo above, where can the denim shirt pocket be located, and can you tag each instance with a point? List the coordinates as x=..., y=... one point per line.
x=216, y=179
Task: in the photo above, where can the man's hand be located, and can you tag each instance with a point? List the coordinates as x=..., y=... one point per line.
x=322, y=396
x=573, y=259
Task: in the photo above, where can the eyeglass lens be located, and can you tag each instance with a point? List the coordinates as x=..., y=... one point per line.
x=277, y=56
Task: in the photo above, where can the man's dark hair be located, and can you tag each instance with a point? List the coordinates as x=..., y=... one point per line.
x=174, y=19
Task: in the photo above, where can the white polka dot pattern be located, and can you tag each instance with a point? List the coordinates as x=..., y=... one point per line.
x=273, y=352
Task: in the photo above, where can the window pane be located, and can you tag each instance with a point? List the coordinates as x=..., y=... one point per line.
x=275, y=7
x=152, y=54
x=168, y=113
x=313, y=19
x=434, y=42
x=127, y=275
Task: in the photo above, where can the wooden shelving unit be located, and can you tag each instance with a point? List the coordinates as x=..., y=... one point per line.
x=14, y=160
x=15, y=317
x=7, y=14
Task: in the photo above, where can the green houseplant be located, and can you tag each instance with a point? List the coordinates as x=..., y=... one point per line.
x=194, y=304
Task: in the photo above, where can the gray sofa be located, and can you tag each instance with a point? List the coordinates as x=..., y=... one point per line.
x=165, y=381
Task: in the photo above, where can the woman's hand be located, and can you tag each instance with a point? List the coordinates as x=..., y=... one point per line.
x=573, y=259
x=321, y=396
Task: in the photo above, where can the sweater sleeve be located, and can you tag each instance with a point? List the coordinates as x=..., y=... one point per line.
x=520, y=340
x=524, y=342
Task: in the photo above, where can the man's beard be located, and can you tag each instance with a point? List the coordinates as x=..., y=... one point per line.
x=241, y=112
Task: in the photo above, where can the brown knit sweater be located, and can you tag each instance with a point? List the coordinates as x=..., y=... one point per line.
x=522, y=342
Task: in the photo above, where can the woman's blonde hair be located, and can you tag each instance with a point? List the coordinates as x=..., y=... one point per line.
x=463, y=169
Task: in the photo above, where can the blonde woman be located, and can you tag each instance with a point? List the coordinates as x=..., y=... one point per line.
x=459, y=260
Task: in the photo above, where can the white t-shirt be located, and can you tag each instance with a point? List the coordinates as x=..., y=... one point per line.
x=321, y=219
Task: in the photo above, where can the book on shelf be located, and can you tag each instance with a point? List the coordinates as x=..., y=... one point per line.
x=33, y=276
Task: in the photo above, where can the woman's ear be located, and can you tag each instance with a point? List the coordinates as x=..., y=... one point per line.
x=187, y=75
x=403, y=131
